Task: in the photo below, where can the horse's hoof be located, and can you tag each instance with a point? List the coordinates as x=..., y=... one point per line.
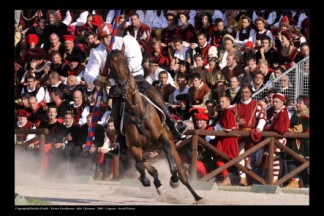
x=145, y=181
x=202, y=202
x=160, y=190
x=174, y=184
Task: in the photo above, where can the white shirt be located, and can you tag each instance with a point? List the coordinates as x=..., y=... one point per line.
x=181, y=54
x=133, y=53
x=155, y=77
x=96, y=63
x=240, y=43
x=147, y=18
x=40, y=94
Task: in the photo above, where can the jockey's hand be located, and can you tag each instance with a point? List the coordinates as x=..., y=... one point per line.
x=97, y=82
x=100, y=81
x=92, y=149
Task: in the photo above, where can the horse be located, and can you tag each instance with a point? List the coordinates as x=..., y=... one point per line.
x=144, y=129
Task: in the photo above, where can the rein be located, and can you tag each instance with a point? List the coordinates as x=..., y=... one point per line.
x=129, y=95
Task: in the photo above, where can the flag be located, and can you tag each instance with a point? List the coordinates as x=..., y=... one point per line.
x=96, y=110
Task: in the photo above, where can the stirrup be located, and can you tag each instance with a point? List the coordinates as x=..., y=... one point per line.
x=181, y=128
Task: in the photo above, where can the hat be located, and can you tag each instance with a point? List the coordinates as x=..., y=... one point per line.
x=201, y=116
x=280, y=97
x=184, y=97
x=37, y=53
x=284, y=21
x=287, y=35
x=222, y=81
x=96, y=20
x=255, y=135
x=249, y=44
x=104, y=29
x=228, y=36
x=23, y=113
x=153, y=62
x=32, y=38
x=198, y=111
x=68, y=38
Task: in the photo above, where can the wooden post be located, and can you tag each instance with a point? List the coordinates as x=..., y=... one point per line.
x=270, y=161
x=116, y=166
x=194, y=157
x=234, y=161
x=42, y=152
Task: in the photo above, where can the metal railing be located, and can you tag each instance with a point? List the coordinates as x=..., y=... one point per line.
x=298, y=76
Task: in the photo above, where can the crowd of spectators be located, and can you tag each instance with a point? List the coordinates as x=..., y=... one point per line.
x=205, y=63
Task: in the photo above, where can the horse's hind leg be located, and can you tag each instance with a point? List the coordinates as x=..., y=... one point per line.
x=175, y=165
x=154, y=173
x=137, y=154
x=166, y=146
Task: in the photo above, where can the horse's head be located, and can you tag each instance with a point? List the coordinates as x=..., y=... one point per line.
x=118, y=67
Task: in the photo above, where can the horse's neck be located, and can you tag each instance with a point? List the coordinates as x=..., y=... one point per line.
x=135, y=98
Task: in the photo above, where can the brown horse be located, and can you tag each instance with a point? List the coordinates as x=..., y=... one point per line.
x=143, y=128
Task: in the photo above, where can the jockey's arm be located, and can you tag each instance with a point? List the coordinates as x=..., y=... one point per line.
x=92, y=70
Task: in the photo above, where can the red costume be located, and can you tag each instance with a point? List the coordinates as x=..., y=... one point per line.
x=228, y=145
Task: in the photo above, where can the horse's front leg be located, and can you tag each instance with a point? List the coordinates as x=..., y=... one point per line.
x=137, y=154
x=154, y=173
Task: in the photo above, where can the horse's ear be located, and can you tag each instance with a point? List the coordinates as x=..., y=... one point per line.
x=123, y=49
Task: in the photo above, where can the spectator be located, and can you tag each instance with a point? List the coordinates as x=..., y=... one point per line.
x=33, y=88
x=181, y=88
x=213, y=112
x=166, y=89
x=233, y=91
x=233, y=68
x=79, y=108
x=300, y=146
x=169, y=33
x=199, y=91
x=261, y=32
x=251, y=117
x=187, y=31
x=54, y=45
x=287, y=52
x=246, y=33
x=179, y=53
x=204, y=48
x=266, y=52
x=228, y=145
x=278, y=121
x=200, y=68
x=141, y=32
x=228, y=42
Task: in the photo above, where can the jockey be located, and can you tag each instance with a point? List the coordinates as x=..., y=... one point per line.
x=133, y=54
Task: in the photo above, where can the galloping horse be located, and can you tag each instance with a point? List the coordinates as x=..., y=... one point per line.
x=143, y=128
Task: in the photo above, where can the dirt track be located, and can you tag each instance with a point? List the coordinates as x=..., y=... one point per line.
x=114, y=194
x=117, y=193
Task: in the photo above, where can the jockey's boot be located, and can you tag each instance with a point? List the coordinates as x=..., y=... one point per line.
x=177, y=128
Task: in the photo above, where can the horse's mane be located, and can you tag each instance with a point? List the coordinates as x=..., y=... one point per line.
x=115, y=52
